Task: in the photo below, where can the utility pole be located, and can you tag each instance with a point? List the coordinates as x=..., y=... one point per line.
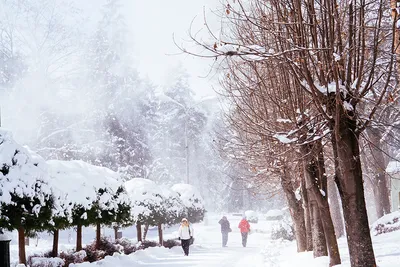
x=187, y=148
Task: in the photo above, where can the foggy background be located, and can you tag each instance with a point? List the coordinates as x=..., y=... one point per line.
x=102, y=81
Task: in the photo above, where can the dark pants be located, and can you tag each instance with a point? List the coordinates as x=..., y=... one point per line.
x=224, y=238
x=244, y=239
x=185, y=246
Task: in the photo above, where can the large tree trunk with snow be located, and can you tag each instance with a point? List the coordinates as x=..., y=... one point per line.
x=78, y=237
x=316, y=183
x=378, y=164
x=21, y=245
x=307, y=214
x=335, y=208
x=139, y=231
x=296, y=211
x=55, y=242
x=351, y=188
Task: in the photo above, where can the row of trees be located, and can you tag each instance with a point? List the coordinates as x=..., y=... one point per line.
x=312, y=90
x=55, y=195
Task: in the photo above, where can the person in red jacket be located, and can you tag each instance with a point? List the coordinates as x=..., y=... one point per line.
x=244, y=227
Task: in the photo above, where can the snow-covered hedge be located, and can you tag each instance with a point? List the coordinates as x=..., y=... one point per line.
x=386, y=224
x=147, y=201
x=175, y=210
x=85, y=193
x=192, y=200
x=25, y=195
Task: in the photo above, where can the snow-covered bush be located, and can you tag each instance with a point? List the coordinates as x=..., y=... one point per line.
x=45, y=262
x=147, y=203
x=386, y=224
x=283, y=230
x=88, y=194
x=175, y=209
x=25, y=197
x=192, y=200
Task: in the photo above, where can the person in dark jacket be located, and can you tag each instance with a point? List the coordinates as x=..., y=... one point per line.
x=225, y=229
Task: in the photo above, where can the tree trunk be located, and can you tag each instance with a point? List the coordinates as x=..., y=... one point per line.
x=21, y=245
x=381, y=190
x=351, y=189
x=334, y=204
x=139, y=231
x=396, y=38
x=145, y=230
x=55, y=242
x=116, y=228
x=98, y=235
x=78, y=237
x=160, y=235
x=296, y=211
x=316, y=183
x=307, y=215
x=317, y=230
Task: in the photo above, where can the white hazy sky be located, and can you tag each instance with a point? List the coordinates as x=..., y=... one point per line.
x=152, y=24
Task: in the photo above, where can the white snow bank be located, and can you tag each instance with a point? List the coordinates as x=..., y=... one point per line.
x=189, y=195
x=386, y=224
x=23, y=173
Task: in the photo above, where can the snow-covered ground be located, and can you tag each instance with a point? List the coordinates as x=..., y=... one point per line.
x=207, y=251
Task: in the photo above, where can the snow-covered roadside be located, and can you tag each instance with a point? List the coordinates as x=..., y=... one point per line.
x=283, y=254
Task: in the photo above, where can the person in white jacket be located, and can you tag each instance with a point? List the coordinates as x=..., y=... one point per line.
x=185, y=235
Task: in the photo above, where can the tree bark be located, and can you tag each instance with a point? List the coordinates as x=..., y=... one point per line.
x=55, y=242
x=160, y=234
x=351, y=188
x=78, y=237
x=296, y=211
x=116, y=228
x=98, y=235
x=21, y=245
x=307, y=214
x=335, y=208
x=381, y=190
x=139, y=231
x=316, y=183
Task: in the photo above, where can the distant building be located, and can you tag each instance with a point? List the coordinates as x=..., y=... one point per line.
x=393, y=171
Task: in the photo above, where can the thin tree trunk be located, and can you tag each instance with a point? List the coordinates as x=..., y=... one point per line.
x=145, y=230
x=351, y=189
x=78, y=237
x=296, y=211
x=335, y=208
x=55, y=242
x=98, y=235
x=139, y=231
x=116, y=228
x=21, y=245
x=160, y=234
x=318, y=235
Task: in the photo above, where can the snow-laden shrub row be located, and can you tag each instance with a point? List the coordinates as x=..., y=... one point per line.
x=36, y=195
x=386, y=224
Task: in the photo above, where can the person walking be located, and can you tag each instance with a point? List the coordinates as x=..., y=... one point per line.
x=185, y=235
x=225, y=229
x=244, y=227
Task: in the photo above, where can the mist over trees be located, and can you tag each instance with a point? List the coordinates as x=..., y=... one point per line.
x=71, y=91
